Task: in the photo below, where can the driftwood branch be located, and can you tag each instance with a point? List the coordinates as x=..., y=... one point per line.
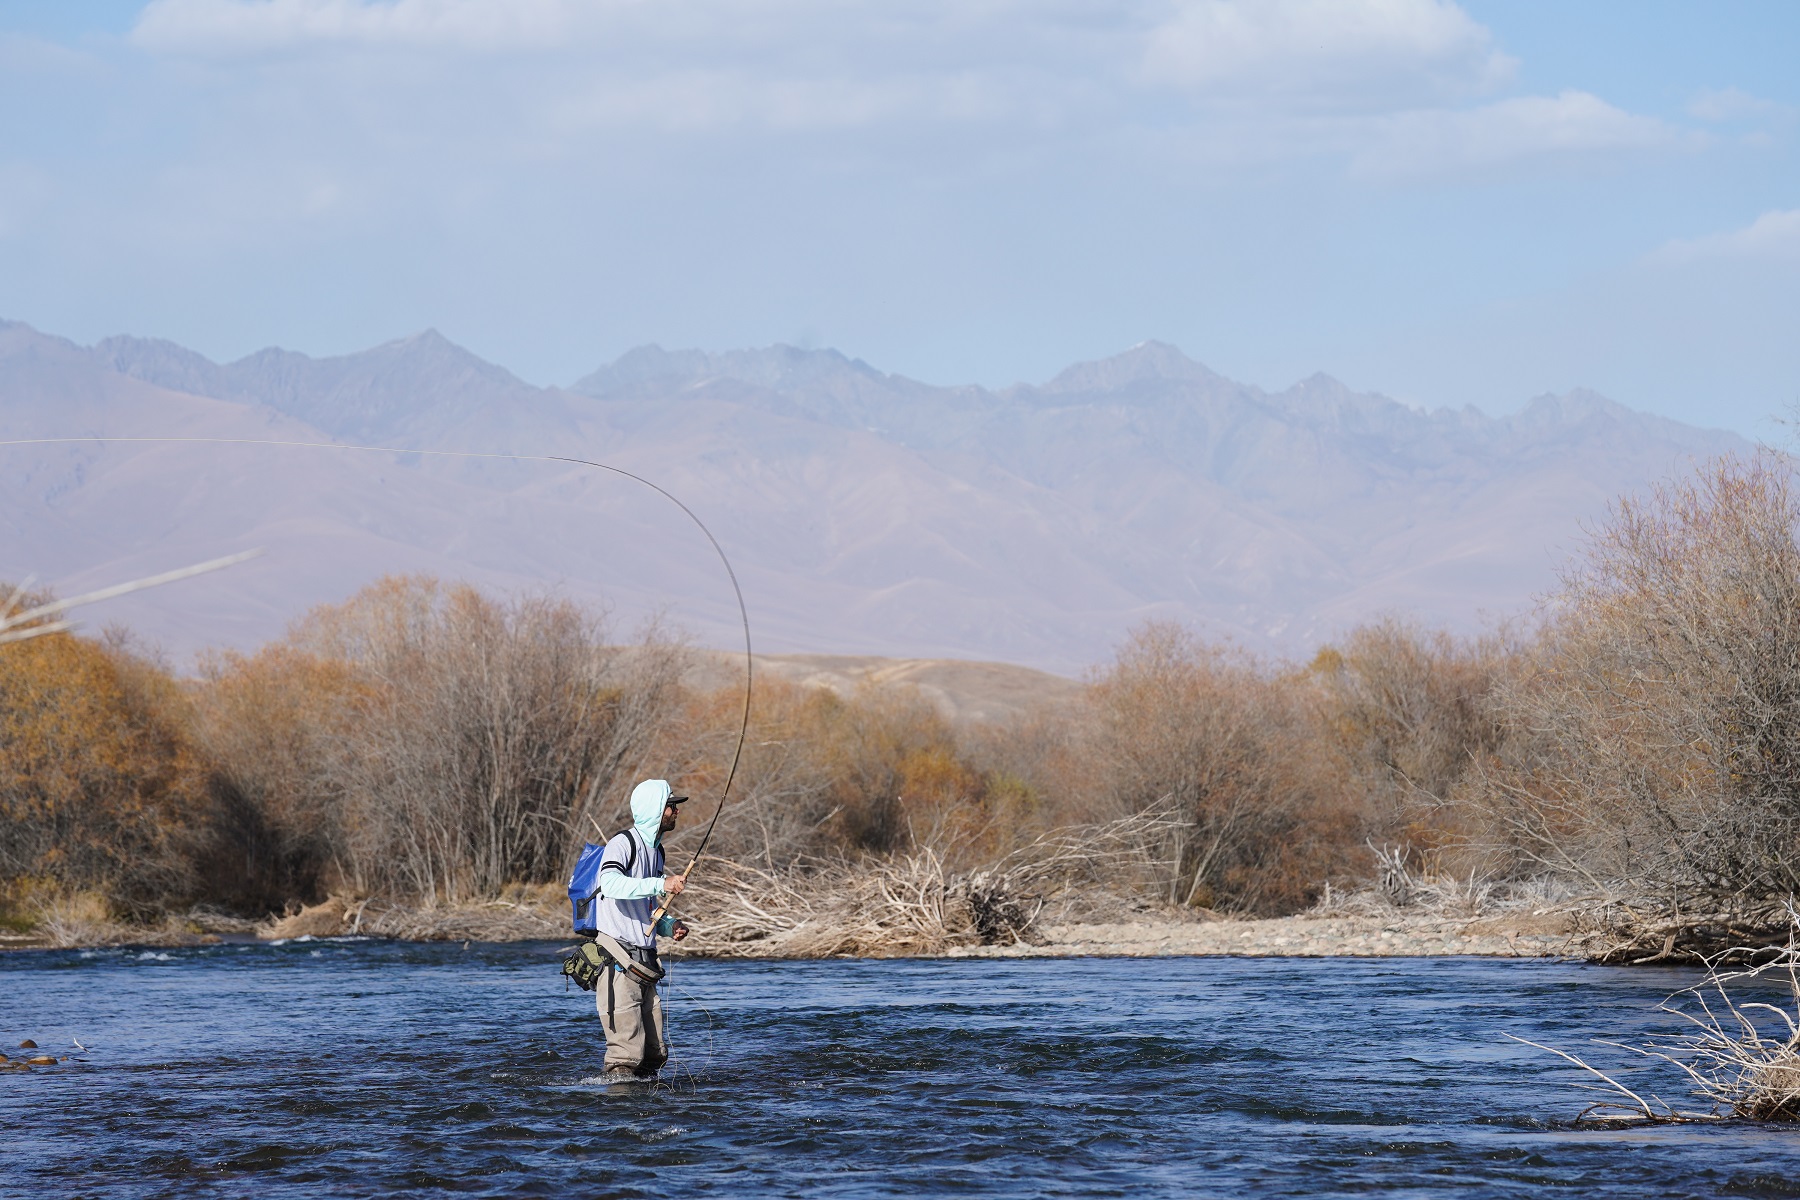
x=1742, y=1056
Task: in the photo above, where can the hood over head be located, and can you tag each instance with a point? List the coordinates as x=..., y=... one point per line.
x=648, y=799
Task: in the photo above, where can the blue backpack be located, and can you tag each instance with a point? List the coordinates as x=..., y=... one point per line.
x=584, y=881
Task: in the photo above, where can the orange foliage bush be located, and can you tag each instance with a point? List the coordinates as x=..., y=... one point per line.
x=273, y=725
x=824, y=775
x=101, y=786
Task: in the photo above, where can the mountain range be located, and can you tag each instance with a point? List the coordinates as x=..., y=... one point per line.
x=864, y=513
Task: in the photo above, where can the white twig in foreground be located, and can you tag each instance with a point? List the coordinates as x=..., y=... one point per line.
x=16, y=627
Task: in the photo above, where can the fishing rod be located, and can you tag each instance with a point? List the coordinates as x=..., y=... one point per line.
x=738, y=592
x=669, y=900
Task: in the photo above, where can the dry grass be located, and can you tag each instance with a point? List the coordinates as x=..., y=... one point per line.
x=1400, y=890
x=65, y=919
x=1612, y=927
x=60, y=918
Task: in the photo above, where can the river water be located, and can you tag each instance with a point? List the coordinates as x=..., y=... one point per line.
x=367, y=1068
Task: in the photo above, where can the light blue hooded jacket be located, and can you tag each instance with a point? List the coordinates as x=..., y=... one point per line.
x=631, y=870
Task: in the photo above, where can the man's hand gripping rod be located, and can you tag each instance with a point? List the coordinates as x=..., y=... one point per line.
x=668, y=901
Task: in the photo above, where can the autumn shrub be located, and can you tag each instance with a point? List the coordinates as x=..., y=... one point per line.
x=102, y=788
x=1654, y=736
x=879, y=771
x=1229, y=745
x=1410, y=715
x=425, y=742
x=442, y=744
x=276, y=725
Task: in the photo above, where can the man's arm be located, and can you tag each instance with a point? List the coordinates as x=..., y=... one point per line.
x=615, y=884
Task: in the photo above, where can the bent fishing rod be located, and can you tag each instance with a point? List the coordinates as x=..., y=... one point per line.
x=738, y=592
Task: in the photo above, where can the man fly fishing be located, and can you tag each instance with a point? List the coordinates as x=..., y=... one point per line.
x=614, y=890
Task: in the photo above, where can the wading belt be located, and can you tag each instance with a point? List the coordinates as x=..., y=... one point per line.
x=638, y=961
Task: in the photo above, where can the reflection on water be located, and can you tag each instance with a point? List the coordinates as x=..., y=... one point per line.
x=368, y=1068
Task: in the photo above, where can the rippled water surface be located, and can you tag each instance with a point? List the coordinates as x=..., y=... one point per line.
x=366, y=1068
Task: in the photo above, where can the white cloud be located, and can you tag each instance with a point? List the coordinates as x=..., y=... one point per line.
x=1730, y=104
x=1774, y=235
x=1332, y=49
x=727, y=99
x=1507, y=132
x=1364, y=82
x=1375, y=84
x=687, y=65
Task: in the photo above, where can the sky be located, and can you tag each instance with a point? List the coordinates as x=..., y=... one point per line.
x=1449, y=204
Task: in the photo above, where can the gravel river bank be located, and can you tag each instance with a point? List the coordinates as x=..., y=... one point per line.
x=1515, y=936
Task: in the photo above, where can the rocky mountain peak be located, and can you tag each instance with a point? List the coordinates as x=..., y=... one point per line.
x=1144, y=361
x=779, y=368
x=163, y=363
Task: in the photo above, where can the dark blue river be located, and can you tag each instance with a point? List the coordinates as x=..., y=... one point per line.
x=368, y=1068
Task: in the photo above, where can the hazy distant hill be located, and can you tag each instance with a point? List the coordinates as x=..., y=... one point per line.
x=960, y=689
x=866, y=513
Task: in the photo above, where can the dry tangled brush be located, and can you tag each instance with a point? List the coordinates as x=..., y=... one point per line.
x=1728, y=930
x=912, y=904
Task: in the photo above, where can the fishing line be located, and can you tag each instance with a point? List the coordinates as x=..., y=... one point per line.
x=738, y=592
x=707, y=1057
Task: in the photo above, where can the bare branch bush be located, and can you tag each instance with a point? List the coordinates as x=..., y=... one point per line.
x=274, y=725
x=1233, y=747
x=471, y=739
x=1412, y=715
x=1653, y=744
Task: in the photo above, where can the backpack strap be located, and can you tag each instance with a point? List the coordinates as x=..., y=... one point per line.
x=630, y=854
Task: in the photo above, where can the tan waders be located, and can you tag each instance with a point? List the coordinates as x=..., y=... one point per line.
x=631, y=1012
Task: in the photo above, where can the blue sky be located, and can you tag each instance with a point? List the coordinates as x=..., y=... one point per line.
x=1449, y=204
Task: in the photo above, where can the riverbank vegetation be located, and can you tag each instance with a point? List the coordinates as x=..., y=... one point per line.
x=424, y=753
